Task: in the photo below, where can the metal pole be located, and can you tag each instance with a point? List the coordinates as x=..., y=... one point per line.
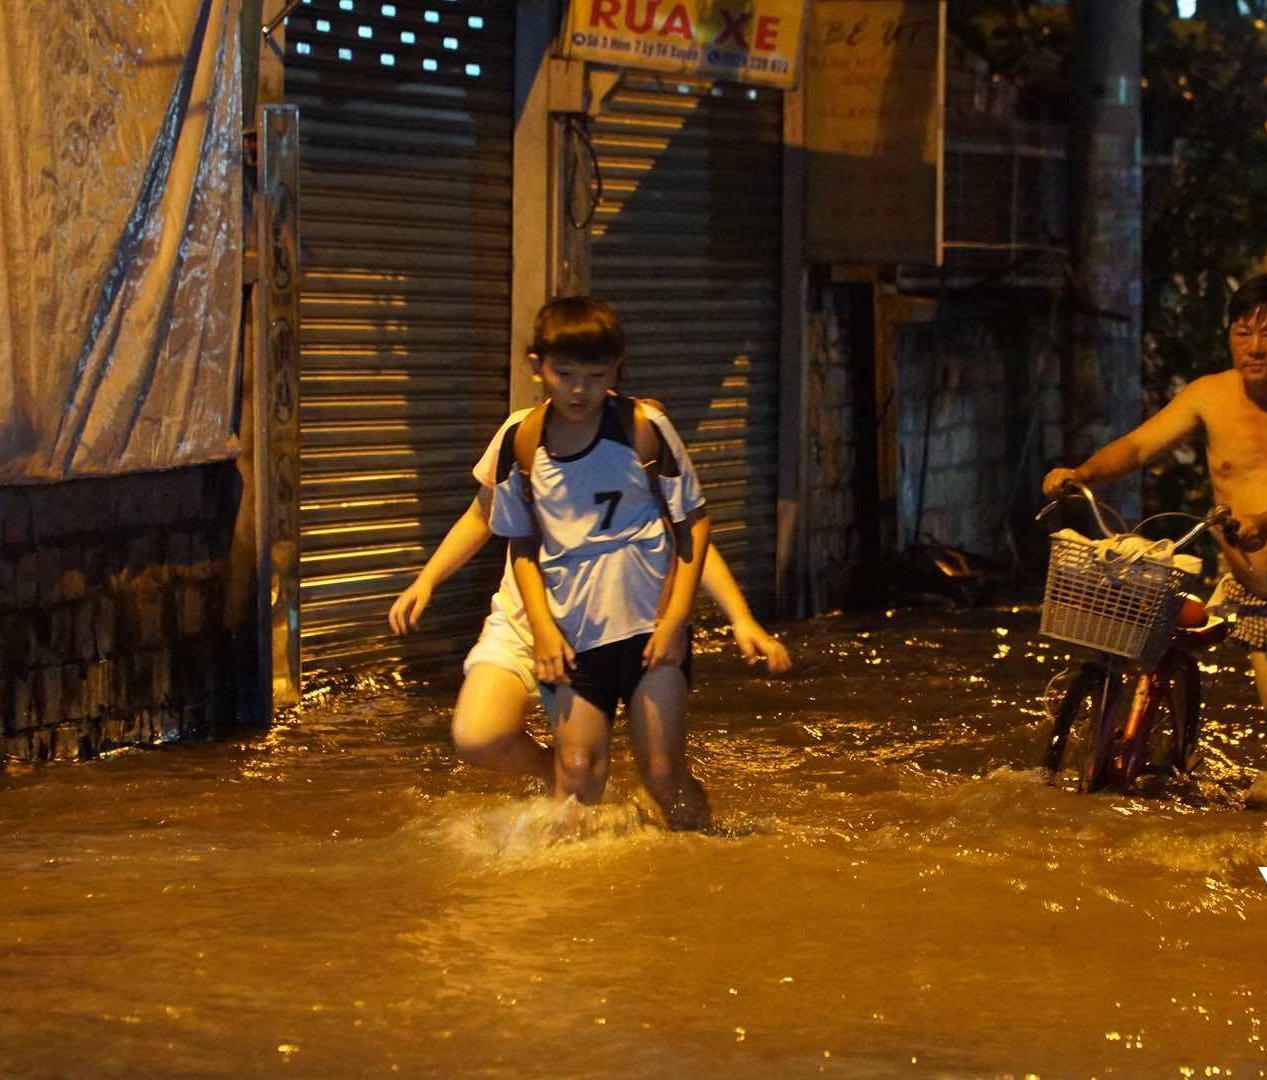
x=277, y=404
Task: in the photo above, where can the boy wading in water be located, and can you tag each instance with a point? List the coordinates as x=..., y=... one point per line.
x=608, y=538
x=500, y=685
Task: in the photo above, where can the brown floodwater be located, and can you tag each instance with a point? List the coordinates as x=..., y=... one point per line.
x=891, y=891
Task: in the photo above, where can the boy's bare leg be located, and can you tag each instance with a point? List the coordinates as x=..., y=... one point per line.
x=582, y=735
x=488, y=725
x=657, y=728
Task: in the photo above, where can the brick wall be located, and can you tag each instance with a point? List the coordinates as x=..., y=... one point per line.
x=830, y=510
x=975, y=378
x=112, y=596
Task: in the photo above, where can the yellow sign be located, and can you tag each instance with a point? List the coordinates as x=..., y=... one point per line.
x=874, y=104
x=750, y=41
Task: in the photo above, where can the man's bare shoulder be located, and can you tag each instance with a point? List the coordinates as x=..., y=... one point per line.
x=1209, y=391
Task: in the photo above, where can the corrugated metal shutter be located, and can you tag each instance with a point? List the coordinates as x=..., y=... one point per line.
x=687, y=247
x=406, y=121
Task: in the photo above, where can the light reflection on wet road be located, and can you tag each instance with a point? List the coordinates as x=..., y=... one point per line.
x=893, y=891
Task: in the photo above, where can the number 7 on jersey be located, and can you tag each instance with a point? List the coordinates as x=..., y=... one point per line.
x=612, y=498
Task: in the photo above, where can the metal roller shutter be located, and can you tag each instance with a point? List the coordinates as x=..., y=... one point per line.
x=687, y=246
x=406, y=121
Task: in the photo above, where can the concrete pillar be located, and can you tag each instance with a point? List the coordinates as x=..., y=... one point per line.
x=1102, y=372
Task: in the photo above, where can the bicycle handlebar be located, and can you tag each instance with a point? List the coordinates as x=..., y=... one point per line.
x=1218, y=515
x=1071, y=488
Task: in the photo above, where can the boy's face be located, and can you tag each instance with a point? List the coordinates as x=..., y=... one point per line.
x=577, y=388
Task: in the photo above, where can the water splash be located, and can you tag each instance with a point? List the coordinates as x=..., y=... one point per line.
x=520, y=830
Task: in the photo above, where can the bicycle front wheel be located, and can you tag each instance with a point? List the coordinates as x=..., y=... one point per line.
x=1186, y=695
x=1080, y=738
x=1174, y=718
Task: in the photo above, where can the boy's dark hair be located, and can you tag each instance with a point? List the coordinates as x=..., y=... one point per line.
x=578, y=328
x=1247, y=299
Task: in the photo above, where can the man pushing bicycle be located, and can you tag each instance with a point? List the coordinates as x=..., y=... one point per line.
x=1228, y=410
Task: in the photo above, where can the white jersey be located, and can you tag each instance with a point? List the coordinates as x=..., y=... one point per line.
x=604, y=551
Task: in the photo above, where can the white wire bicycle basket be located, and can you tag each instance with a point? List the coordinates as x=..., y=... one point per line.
x=1127, y=608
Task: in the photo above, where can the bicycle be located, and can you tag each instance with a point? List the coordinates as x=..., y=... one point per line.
x=1136, y=704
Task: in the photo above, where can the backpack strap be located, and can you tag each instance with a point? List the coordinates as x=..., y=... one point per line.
x=648, y=444
x=528, y=436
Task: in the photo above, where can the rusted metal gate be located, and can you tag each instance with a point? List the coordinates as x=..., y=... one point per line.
x=405, y=215
x=686, y=245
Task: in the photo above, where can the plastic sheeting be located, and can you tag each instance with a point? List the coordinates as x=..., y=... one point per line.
x=120, y=236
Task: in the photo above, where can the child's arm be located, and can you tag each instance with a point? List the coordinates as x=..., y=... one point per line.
x=469, y=533
x=551, y=652
x=752, y=638
x=668, y=641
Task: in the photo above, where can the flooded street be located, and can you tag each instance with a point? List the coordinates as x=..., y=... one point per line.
x=892, y=891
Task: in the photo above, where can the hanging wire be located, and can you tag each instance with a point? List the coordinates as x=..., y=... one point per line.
x=1167, y=514
x=278, y=19
x=577, y=127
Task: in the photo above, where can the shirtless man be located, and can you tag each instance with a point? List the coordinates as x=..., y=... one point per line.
x=1229, y=412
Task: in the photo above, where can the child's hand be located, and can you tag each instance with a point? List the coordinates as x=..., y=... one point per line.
x=409, y=606
x=1252, y=535
x=552, y=655
x=667, y=645
x=754, y=642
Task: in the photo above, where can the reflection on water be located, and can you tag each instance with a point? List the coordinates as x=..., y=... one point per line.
x=891, y=890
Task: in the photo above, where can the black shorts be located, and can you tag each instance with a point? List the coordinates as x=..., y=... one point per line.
x=610, y=674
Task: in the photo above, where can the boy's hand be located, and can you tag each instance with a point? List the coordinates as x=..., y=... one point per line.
x=754, y=642
x=667, y=645
x=552, y=655
x=408, y=608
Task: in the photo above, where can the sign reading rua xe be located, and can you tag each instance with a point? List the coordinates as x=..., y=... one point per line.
x=874, y=104
x=751, y=41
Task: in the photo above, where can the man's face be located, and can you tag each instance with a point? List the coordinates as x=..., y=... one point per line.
x=577, y=389
x=1247, y=338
